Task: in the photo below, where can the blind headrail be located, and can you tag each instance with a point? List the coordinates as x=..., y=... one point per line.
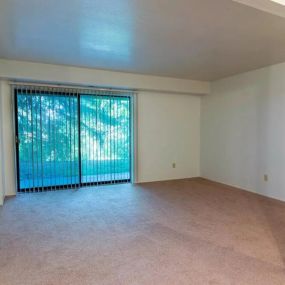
x=71, y=87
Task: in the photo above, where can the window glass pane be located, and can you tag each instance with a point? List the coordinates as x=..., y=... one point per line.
x=48, y=150
x=105, y=138
x=49, y=156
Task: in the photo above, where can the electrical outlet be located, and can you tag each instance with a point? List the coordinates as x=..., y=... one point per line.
x=173, y=165
x=265, y=177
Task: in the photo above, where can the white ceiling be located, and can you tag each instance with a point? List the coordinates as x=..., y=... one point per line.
x=195, y=39
x=271, y=6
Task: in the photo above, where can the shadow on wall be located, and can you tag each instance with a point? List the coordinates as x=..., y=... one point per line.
x=243, y=131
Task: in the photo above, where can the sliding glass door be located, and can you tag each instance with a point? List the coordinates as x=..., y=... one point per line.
x=105, y=139
x=67, y=139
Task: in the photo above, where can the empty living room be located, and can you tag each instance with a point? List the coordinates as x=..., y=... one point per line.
x=142, y=142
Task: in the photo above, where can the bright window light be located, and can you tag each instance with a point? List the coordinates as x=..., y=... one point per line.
x=282, y=2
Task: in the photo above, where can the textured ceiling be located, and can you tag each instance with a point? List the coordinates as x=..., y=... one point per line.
x=195, y=39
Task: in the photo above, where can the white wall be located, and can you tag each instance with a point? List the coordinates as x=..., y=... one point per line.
x=168, y=124
x=242, y=126
x=21, y=70
x=8, y=142
x=2, y=177
x=168, y=131
x=243, y=131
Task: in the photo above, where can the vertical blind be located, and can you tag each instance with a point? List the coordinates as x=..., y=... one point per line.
x=67, y=138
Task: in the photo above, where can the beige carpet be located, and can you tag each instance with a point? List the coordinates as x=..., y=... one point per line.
x=178, y=232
